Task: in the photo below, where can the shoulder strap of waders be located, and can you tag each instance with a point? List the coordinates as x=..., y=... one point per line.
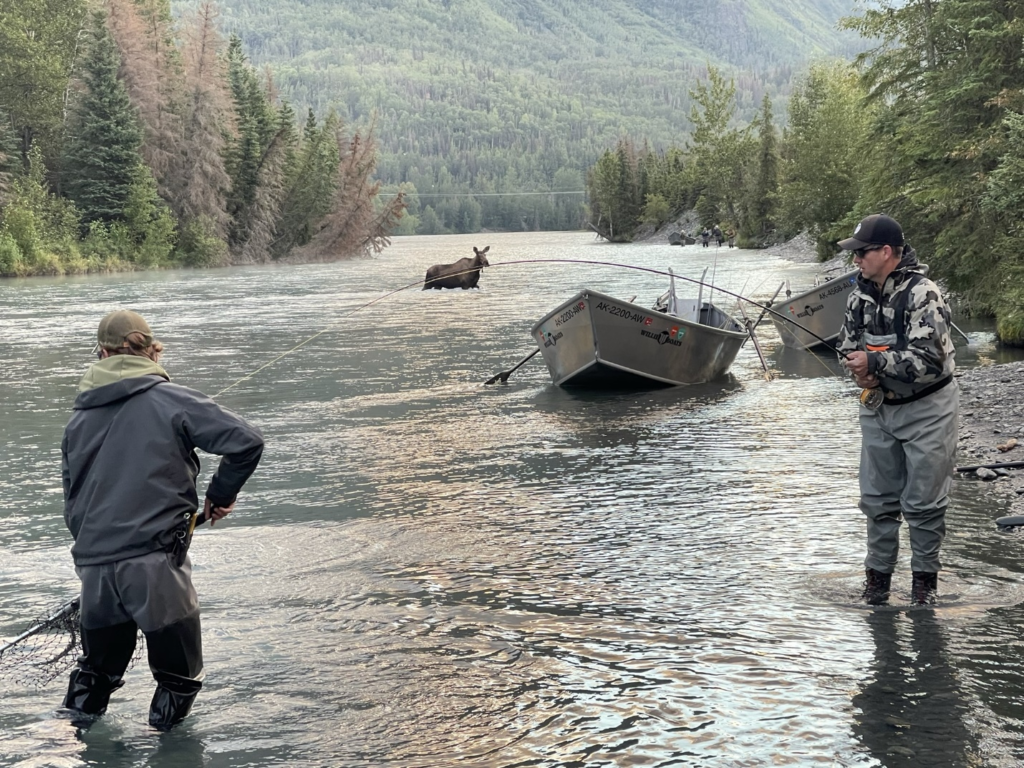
x=900, y=321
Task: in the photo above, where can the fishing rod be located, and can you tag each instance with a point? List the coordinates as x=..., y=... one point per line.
x=515, y=262
x=692, y=280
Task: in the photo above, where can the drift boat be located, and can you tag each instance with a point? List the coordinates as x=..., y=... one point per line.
x=595, y=340
x=820, y=310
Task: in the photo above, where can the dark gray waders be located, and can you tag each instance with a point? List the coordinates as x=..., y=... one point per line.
x=152, y=593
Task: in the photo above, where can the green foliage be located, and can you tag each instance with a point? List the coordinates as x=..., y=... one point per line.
x=200, y=246
x=945, y=78
x=616, y=189
x=825, y=147
x=39, y=41
x=148, y=224
x=656, y=210
x=491, y=96
x=103, y=155
x=10, y=253
x=309, y=184
x=758, y=216
x=43, y=227
x=258, y=125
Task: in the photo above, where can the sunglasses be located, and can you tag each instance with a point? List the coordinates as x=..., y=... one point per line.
x=860, y=253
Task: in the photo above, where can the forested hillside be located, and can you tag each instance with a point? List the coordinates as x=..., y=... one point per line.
x=507, y=96
x=927, y=126
x=129, y=139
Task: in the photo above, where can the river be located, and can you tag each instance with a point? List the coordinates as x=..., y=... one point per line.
x=428, y=572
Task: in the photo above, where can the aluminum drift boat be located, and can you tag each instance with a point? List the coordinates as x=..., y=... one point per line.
x=820, y=310
x=594, y=340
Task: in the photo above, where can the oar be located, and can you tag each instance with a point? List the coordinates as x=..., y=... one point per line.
x=503, y=376
x=757, y=346
x=955, y=328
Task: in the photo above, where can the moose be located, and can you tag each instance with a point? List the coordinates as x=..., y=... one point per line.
x=464, y=273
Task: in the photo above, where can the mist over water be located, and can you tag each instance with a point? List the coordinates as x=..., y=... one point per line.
x=428, y=572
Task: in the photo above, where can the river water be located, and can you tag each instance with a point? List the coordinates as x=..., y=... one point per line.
x=428, y=572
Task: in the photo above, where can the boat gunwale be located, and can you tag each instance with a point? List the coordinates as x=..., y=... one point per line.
x=800, y=296
x=673, y=318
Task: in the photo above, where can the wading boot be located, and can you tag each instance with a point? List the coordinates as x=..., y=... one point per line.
x=172, y=700
x=924, y=588
x=89, y=691
x=876, y=587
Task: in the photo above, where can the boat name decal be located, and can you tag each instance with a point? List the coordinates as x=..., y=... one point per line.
x=550, y=339
x=623, y=312
x=569, y=314
x=674, y=336
x=809, y=310
x=834, y=290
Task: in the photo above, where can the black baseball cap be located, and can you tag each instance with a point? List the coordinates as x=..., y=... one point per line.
x=876, y=229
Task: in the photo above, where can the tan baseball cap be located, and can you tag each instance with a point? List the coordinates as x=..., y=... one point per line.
x=117, y=326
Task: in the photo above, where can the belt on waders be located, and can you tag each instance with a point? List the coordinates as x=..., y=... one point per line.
x=891, y=399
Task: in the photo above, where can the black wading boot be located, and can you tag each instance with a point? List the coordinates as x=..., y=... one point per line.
x=89, y=691
x=876, y=587
x=924, y=588
x=172, y=700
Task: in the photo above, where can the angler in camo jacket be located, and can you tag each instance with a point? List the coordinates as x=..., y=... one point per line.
x=896, y=337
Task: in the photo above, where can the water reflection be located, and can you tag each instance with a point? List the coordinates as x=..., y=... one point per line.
x=430, y=572
x=911, y=712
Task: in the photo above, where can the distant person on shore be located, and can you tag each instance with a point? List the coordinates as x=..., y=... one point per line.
x=896, y=338
x=130, y=502
x=705, y=237
x=730, y=235
x=717, y=232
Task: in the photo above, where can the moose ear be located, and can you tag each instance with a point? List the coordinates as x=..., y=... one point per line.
x=485, y=250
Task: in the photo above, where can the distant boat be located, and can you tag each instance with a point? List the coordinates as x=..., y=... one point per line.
x=821, y=310
x=595, y=340
x=678, y=238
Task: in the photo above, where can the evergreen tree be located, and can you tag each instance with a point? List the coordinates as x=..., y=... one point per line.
x=310, y=185
x=758, y=221
x=823, y=154
x=254, y=159
x=617, y=192
x=354, y=224
x=944, y=76
x=151, y=71
x=103, y=155
x=39, y=44
x=197, y=181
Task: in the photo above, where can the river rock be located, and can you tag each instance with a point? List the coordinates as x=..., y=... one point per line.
x=985, y=473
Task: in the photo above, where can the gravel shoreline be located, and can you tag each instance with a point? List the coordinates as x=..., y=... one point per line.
x=992, y=415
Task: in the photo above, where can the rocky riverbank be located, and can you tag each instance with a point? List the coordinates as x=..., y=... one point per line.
x=992, y=427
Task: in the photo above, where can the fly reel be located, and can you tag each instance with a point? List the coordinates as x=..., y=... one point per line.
x=872, y=399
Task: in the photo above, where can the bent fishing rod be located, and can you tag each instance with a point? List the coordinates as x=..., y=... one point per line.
x=516, y=262
x=693, y=280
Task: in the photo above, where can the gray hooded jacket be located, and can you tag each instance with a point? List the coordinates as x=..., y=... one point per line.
x=129, y=461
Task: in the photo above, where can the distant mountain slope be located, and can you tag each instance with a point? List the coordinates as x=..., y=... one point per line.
x=470, y=91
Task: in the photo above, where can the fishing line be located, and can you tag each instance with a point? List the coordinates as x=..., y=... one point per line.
x=678, y=277
x=329, y=328
x=591, y=262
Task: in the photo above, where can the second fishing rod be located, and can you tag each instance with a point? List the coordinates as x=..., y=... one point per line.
x=871, y=398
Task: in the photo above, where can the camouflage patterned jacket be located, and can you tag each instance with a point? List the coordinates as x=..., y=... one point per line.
x=918, y=356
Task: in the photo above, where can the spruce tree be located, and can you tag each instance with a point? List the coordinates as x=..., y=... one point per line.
x=102, y=156
x=759, y=211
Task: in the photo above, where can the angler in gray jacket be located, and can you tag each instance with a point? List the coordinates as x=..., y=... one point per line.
x=129, y=471
x=896, y=336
